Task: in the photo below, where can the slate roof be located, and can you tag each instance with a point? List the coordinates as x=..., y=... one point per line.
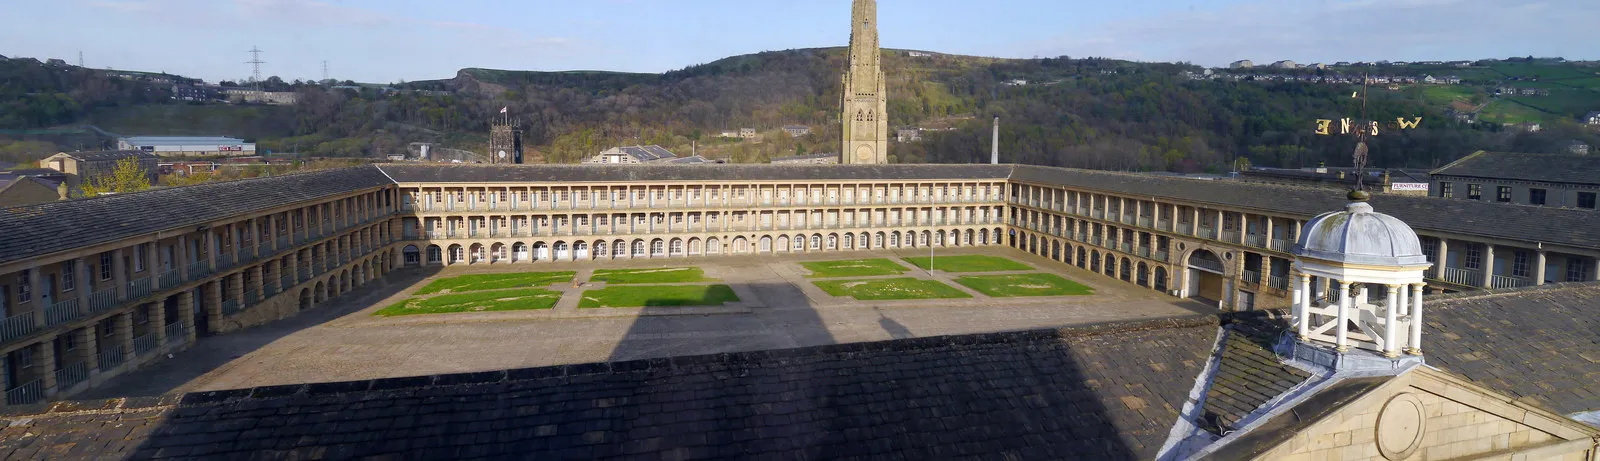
x=470, y=173
x=1535, y=344
x=1249, y=374
x=181, y=140
x=1466, y=217
x=41, y=229
x=109, y=155
x=649, y=153
x=1562, y=168
x=1098, y=392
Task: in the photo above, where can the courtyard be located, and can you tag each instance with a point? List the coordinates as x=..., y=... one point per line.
x=488, y=317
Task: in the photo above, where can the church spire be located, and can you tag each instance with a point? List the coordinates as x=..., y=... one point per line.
x=864, y=100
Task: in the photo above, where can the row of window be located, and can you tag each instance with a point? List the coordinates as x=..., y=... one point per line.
x=678, y=194
x=1536, y=196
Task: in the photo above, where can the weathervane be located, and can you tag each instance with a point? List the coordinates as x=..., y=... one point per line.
x=1362, y=129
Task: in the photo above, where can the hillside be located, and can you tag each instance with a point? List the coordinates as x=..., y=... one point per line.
x=1095, y=113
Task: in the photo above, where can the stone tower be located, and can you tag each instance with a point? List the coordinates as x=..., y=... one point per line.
x=866, y=123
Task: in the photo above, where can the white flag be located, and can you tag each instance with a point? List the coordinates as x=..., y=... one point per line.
x=503, y=109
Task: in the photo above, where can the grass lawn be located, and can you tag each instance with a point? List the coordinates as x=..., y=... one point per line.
x=1037, y=284
x=904, y=288
x=970, y=263
x=480, y=282
x=853, y=268
x=666, y=275
x=658, y=296
x=509, y=300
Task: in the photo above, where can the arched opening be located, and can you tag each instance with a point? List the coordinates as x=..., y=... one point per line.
x=580, y=251
x=1094, y=261
x=1161, y=279
x=894, y=239
x=1081, y=257
x=563, y=252
x=878, y=242
x=413, y=256
x=305, y=298
x=925, y=239
x=983, y=236
x=435, y=255
x=600, y=249
x=477, y=254
x=1127, y=270
x=833, y=242
x=658, y=248
x=519, y=252
x=713, y=246
x=497, y=253
x=694, y=246
x=676, y=247
x=457, y=254
x=967, y=239
x=816, y=242
x=1143, y=275
x=742, y=246
x=1206, y=277
x=638, y=248
x=541, y=251
x=619, y=248
x=1111, y=265
x=321, y=292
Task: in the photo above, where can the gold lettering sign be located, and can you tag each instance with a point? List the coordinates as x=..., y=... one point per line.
x=1373, y=129
x=1344, y=126
x=1322, y=126
x=1404, y=125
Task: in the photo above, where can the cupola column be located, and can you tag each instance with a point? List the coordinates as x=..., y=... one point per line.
x=1416, y=319
x=1342, y=340
x=1391, y=322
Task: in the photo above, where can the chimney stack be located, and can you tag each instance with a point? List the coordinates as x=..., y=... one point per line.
x=994, y=147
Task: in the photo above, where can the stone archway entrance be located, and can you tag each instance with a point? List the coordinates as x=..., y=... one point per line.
x=1206, y=277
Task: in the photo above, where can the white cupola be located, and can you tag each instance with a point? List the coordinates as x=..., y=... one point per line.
x=1369, y=268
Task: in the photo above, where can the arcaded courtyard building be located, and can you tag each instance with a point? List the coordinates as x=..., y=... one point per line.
x=91, y=288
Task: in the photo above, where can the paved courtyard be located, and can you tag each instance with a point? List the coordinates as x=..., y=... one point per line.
x=779, y=308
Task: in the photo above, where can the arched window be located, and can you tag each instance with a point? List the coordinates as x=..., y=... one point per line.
x=656, y=247
x=860, y=116
x=871, y=116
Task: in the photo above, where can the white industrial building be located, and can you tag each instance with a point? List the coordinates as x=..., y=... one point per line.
x=189, y=146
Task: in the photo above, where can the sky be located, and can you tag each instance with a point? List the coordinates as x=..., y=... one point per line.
x=384, y=41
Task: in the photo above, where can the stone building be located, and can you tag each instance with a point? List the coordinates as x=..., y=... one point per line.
x=1553, y=180
x=864, y=112
x=26, y=190
x=821, y=158
x=633, y=155
x=1340, y=375
x=85, y=166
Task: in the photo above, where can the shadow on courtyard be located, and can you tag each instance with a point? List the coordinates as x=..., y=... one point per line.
x=1020, y=395
x=210, y=353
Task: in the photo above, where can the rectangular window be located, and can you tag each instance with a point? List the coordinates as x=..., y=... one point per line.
x=1577, y=270
x=105, y=266
x=24, y=289
x=1472, y=257
x=5, y=298
x=1586, y=200
x=1430, y=249
x=69, y=275
x=1475, y=192
x=1519, y=264
x=1446, y=190
x=1502, y=194
x=1536, y=196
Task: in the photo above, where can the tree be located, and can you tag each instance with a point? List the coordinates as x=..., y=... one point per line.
x=126, y=177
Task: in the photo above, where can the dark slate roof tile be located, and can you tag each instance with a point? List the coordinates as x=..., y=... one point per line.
x=1535, y=344
x=1087, y=392
x=41, y=229
x=1563, y=168
x=474, y=173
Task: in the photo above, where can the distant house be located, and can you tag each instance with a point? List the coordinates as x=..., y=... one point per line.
x=254, y=96
x=19, y=190
x=728, y=134
x=747, y=133
x=1241, y=64
x=796, y=131
x=1016, y=82
x=1342, y=63
x=1452, y=80
x=633, y=155
x=908, y=134
x=1592, y=118
x=1577, y=147
x=195, y=93
x=1285, y=64
x=1428, y=79
x=79, y=167
x=808, y=159
x=919, y=54
x=1466, y=117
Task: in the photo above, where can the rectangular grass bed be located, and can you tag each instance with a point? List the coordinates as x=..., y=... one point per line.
x=658, y=296
x=480, y=282
x=884, y=289
x=969, y=263
x=1036, y=284
x=489, y=301
x=662, y=275
x=853, y=268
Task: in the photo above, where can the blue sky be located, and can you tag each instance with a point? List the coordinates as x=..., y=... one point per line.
x=386, y=41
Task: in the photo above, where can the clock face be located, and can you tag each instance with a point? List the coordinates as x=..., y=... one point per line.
x=863, y=153
x=502, y=154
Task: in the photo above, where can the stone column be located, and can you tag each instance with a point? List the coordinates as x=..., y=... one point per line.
x=1391, y=323
x=1594, y=269
x=186, y=314
x=1194, y=226
x=1538, y=267
x=47, y=357
x=1342, y=337
x=213, y=304
x=255, y=236
x=256, y=277
x=1416, y=319
x=158, y=321
x=81, y=280
x=1302, y=305
x=1488, y=265
x=1403, y=306
x=182, y=253
x=211, y=248
x=291, y=262
x=1444, y=257
x=124, y=333
x=88, y=349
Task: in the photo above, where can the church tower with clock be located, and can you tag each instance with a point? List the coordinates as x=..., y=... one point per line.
x=864, y=99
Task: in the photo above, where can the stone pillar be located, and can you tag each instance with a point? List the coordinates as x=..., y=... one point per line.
x=1444, y=257
x=182, y=253
x=124, y=334
x=211, y=248
x=1538, y=267
x=119, y=273
x=1488, y=265
x=271, y=274
x=1342, y=338
x=1391, y=323
x=1194, y=226
x=1416, y=319
x=1403, y=307
x=89, y=347
x=1267, y=235
x=158, y=321
x=213, y=304
x=186, y=314
x=1302, y=305
x=1594, y=269
x=152, y=260
x=47, y=358
x=255, y=237
x=290, y=261
x=256, y=279
x=81, y=280
x=272, y=232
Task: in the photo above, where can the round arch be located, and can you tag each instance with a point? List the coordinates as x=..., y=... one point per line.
x=413, y=256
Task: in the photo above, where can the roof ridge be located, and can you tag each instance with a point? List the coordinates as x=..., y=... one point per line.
x=204, y=184
x=689, y=362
